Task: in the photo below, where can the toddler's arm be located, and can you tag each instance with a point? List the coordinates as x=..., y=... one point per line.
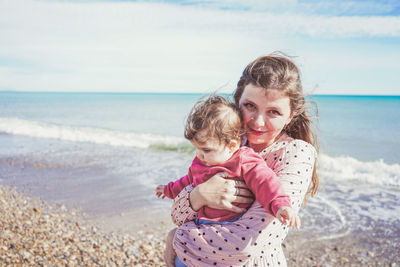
x=172, y=189
x=264, y=183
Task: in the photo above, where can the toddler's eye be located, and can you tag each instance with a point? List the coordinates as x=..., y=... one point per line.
x=206, y=150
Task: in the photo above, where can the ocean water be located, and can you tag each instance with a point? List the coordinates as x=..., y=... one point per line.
x=105, y=153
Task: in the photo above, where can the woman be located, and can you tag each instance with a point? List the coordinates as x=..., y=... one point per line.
x=271, y=99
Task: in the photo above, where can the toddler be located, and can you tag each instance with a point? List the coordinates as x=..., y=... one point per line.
x=214, y=128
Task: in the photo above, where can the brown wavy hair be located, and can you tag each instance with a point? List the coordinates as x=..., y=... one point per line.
x=277, y=71
x=218, y=116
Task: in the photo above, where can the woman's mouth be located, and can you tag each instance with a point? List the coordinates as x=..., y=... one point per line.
x=256, y=132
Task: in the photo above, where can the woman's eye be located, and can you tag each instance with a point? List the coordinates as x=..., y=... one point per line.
x=249, y=106
x=275, y=112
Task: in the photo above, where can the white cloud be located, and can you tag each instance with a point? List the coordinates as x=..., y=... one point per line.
x=125, y=46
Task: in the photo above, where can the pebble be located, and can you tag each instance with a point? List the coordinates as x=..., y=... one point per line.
x=344, y=259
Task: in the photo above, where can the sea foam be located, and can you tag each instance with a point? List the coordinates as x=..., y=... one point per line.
x=349, y=168
x=333, y=168
x=18, y=126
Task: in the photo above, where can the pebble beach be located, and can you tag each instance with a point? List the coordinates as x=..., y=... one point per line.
x=36, y=233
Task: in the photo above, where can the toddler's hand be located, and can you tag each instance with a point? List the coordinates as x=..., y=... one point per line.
x=160, y=191
x=286, y=215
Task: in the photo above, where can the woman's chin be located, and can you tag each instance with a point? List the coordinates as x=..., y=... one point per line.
x=258, y=141
x=258, y=138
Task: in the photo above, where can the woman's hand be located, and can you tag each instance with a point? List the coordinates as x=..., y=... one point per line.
x=169, y=253
x=219, y=193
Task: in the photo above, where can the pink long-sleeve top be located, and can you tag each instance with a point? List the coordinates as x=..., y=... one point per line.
x=245, y=165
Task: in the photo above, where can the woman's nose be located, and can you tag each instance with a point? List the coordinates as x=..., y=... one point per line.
x=259, y=120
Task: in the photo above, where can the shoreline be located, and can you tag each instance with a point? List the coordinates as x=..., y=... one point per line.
x=38, y=233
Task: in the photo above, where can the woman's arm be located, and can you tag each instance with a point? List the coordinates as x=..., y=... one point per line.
x=218, y=192
x=295, y=170
x=256, y=232
x=182, y=210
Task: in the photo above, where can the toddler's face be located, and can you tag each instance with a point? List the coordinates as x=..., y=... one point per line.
x=212, y=152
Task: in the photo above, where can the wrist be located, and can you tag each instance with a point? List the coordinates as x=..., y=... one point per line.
x=195, y=199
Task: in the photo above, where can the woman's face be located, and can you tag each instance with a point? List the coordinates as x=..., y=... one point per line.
x=265, y=113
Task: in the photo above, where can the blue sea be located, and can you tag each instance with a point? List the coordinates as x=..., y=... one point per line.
x=104, y=153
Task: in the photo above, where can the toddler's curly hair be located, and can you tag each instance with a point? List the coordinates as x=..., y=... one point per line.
x=219, y=117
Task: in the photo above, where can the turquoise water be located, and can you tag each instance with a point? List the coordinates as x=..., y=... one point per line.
x=139, y=113
x=363, y=127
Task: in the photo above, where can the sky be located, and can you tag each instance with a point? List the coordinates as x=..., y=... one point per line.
x=341, y=47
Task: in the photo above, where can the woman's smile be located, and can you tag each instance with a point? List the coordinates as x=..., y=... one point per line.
x=255, y=132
